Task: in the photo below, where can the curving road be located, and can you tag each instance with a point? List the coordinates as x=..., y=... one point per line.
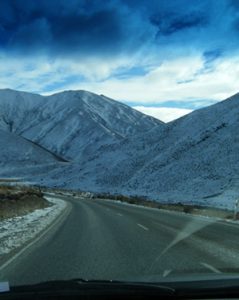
x=102, y=239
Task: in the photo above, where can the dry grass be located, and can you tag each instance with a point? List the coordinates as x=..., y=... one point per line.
x=179, y=207
x=16, y=201
x=9, y=180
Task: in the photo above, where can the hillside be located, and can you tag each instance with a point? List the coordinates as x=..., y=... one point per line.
x=193, y=159
x=108, y=147
x=15, y=149
x=72, y=124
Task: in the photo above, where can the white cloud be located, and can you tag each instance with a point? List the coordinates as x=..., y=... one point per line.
x=160, y=84
x=48, y=76
x=165, y=114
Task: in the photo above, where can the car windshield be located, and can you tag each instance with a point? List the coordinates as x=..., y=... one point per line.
x=118, y=140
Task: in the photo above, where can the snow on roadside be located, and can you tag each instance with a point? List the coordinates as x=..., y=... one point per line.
x=16, y=231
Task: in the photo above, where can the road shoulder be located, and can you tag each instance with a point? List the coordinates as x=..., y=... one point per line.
x=27, y=230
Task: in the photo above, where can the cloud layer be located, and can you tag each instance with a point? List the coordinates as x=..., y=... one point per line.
x=99, y=28
x=145, y=52
x=60, y=28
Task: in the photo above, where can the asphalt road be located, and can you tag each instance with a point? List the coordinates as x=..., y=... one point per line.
x=102, y=239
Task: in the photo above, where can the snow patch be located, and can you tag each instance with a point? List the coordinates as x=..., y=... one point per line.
x=16, y=231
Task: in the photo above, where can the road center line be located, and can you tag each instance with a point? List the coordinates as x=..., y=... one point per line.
x=142, y=226
x=210, y=267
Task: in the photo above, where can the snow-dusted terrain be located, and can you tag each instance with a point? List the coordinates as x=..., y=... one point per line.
x=70, y=124
x=15, y=232
x=97, y=144
x=16, y=149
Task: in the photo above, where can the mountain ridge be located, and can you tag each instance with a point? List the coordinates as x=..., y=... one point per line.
x=186, y=160
x=63, y=122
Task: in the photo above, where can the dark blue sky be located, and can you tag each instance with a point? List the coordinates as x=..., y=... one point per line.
x=143, y=52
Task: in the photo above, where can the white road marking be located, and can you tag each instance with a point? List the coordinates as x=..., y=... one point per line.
x=119, y=214
x=210, y=267
x=166, y=273
x=142, y=226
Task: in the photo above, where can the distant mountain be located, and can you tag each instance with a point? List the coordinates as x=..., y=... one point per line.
x=109, y=147
x=72, y=124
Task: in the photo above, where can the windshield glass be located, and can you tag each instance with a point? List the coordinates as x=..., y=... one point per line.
x=118, y=140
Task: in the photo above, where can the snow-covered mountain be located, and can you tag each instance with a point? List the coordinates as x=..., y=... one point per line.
x=15, y=149
x=193, y=158
x=72, y=124
x=111, y=148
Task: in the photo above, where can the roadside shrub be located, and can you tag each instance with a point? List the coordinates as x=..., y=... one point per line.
x=187, y=209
